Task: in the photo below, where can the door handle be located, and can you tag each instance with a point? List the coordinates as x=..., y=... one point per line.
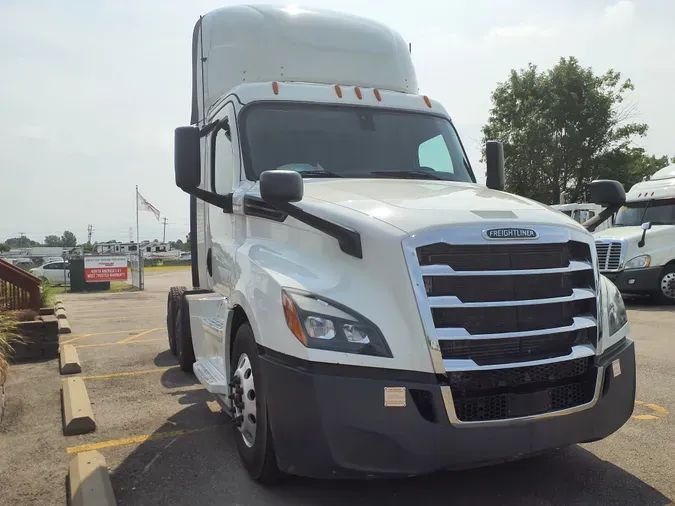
x=209, y=262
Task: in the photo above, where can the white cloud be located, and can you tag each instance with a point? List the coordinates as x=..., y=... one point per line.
x=620, y=13
x=520, y=31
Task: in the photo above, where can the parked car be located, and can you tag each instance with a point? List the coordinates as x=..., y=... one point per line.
x=53, y=272
x=23, y=263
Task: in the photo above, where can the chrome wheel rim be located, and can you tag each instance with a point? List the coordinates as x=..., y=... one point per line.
x=244, y=400
x=668, y=285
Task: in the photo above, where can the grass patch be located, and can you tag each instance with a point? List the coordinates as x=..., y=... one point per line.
x=47, y=293
x=8, y=335
x=162, y=268
x=121, y=286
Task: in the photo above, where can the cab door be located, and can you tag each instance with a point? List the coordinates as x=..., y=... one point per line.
x=222, y=178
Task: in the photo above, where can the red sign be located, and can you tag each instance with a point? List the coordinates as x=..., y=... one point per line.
x=105, y=269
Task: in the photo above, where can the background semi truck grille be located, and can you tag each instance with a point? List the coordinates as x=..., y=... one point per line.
x=511, y=393
x=609, y=255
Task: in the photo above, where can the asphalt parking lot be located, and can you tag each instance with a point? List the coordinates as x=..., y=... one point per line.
x=166, y=443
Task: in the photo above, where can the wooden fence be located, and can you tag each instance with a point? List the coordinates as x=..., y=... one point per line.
x=18, y=288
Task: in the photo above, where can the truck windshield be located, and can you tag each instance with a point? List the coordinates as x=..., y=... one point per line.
x=352, y=142
x=657, y=212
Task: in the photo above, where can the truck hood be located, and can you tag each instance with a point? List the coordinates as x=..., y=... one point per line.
x=633, y=234
x=412, y=205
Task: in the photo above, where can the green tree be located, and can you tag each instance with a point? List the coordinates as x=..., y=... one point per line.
x=563, y=128
x=21, y=242
x=53, y=240
x=3, y=247
x=68, y=239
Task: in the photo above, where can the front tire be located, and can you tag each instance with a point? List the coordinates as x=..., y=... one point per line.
x=666, y=291
x=184, y=349
x=250, y=421
x=172, y=303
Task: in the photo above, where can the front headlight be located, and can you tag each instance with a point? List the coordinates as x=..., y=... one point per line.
x=327, y=325
x=612, y=305
x=640, y=262
x=616, y=310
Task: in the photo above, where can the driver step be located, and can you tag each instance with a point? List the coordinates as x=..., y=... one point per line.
x=210, y=373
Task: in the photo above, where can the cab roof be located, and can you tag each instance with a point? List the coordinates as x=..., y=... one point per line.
x=660, y=186
x=263, y=43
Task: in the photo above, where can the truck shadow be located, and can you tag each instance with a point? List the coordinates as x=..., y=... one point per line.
x=645, y=304
x=201, y=466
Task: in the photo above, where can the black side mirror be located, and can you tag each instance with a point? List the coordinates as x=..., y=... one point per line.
x=645, y=226
x=607, y=193
x=494, y=157
x=281, y=186
x=187, y=159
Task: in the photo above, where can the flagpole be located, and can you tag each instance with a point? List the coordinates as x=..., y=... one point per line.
x=138, y=241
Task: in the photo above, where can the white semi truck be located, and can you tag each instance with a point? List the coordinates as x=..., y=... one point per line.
x=360, y=305
x=638, y=252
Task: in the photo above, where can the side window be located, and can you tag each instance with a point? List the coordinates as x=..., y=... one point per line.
x=223, y=161
x=434, y=154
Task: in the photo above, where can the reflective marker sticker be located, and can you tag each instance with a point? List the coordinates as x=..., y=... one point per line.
x=616, y=368
x=394, y=397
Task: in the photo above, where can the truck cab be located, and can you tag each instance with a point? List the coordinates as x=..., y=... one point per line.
x=582, y=212
x=638, y=252
x=360, y=305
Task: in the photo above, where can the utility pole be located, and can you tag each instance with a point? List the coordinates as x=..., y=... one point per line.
x=22, y=236
x=90, y=230
x=164, y=234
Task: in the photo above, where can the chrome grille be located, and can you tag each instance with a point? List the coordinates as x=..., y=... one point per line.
x=610, y=255
x=507, y=307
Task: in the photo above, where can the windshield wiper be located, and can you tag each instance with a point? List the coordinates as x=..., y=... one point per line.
x=407, y=174
x=318, y=173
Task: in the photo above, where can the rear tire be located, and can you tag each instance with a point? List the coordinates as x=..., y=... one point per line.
x=172, y=303
x=257, y=453
x=665, y=293
x=185, y=351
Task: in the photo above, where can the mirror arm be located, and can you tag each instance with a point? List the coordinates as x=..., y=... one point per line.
x=222, y=201
x=348, y=239
x=641, y=244
x=207, y=129
x=596, y=221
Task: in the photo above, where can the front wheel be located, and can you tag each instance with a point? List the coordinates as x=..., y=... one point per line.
x=250, y=420
x=172, y=303
x=666, y=292
x=184, y=349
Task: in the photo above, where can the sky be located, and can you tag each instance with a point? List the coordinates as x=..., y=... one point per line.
x=91, y=91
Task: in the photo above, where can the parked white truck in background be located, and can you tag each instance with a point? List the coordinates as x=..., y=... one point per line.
x=582, y=212
x=360, y=305
x=638, y=253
